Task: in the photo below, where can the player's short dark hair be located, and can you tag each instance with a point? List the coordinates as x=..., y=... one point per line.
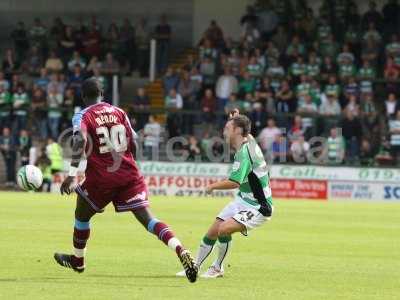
x=242, y=122
x=91, y=89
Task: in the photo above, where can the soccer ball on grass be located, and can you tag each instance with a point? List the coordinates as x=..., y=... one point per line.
x=29, y=178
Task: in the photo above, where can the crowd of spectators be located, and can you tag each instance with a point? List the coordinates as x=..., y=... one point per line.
x=42, y=72
x=298, y=73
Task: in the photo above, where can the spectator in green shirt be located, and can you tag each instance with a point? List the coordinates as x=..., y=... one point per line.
x=297, y=68
x=333, y=87
x=295, y=47
x=335, y=147
x=21, y=102
x=312, y=68
x=5, y=108
x=247, y=84
x=254, y=68
x=393, y=49
x=345, y=54
x=347, y=69
x=329, y=47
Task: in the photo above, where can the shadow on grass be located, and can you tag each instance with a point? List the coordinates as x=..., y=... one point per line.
x=133, y=276
x=97, y=279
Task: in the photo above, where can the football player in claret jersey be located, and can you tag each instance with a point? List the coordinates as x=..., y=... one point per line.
x=103, y=134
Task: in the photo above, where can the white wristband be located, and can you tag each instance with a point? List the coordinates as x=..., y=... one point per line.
x=73, y=171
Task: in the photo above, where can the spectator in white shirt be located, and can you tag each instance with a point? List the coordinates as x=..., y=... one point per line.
x=268, y=135
x=76, y=59
x=391, y=105
x=152, y=135
x=226, y=85
x=299, y=149
x=173, y=100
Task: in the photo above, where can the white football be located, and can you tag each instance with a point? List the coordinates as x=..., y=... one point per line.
x=29, y=178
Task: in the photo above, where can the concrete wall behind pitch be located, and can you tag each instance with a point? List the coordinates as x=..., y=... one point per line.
x=179, y=12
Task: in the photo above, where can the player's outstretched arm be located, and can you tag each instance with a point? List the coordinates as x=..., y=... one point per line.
x=222, y=185
x=78, y=146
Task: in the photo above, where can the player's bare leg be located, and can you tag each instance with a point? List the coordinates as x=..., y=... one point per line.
x=166, y=235
x=83, y=213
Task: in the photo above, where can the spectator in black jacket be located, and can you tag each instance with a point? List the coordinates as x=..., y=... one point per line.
x=7, y=148
x=352, y=132
x=24, y=144
x=141, y=105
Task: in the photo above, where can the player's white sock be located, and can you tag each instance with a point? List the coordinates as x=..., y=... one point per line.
x=80, y=253
x=173, y=243
x=224, y=245
x=206, y=247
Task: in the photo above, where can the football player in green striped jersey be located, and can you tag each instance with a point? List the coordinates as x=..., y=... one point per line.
x=252, y=205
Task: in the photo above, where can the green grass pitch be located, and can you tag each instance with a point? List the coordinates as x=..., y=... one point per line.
x=310, y=250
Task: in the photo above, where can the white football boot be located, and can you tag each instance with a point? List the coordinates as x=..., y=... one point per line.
x=181, y=274
x=213, y=272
